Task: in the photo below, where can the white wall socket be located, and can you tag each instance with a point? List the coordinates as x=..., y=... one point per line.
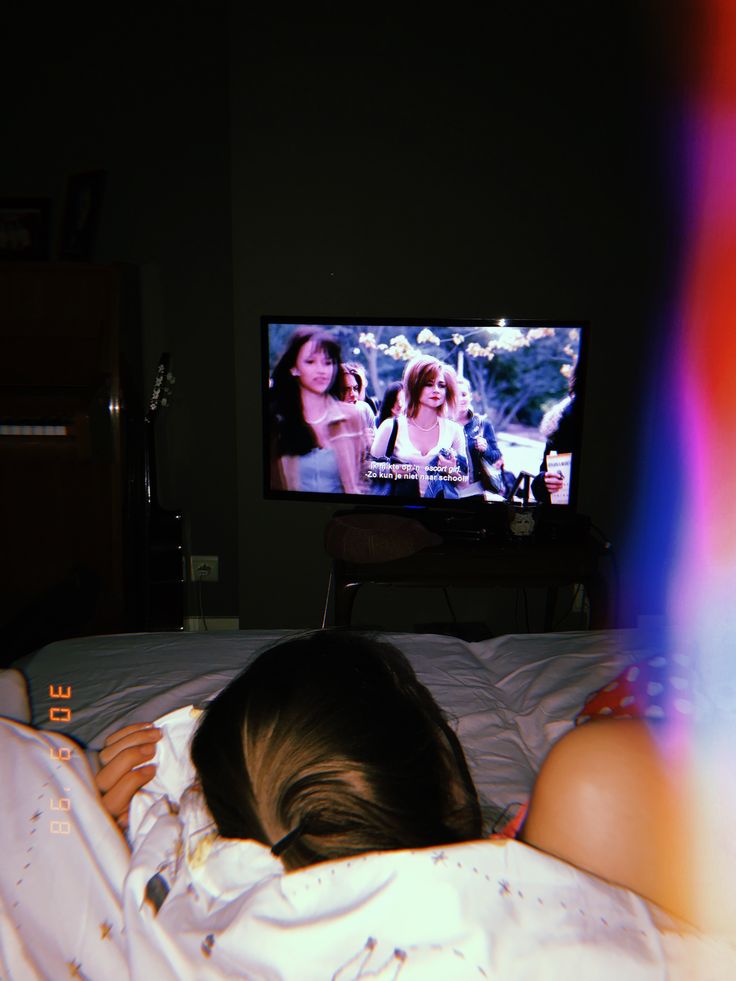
x=204, y=568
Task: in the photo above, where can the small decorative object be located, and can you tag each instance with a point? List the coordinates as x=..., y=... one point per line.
x=24, y=228
x=521, y=522
x=81, y=217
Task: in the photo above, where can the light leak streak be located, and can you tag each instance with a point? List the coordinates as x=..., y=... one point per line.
x=702, y=582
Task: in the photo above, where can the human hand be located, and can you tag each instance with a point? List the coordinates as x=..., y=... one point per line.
x=481, y=444
x=553, y=482
x=499, y=463
x=117, y=780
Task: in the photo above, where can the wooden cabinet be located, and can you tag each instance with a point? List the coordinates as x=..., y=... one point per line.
x=72, y=482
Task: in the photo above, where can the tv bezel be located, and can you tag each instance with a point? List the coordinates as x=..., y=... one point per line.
x=469, y=504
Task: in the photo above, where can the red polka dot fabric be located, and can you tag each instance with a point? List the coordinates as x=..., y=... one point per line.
x=657, y=688
x=513, y=828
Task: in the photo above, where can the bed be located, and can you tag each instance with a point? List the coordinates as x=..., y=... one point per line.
x=75, y=903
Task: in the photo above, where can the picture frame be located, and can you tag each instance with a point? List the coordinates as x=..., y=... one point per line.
x=24, y=228
x=81, y=215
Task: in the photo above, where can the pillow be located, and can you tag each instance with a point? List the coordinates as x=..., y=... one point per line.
x=651, y=689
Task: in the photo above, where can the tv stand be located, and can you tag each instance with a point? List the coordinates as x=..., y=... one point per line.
x=473, y=552
x=490, y=524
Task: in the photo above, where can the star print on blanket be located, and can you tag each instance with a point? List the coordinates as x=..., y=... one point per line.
x=60, y=893
x=487, y=908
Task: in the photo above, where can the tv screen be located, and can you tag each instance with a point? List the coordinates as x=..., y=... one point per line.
x=436, y=413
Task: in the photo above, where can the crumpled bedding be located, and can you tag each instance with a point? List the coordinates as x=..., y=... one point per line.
x=187, y=904
x=509, y=698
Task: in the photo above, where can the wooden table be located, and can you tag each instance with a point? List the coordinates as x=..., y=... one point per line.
x=524, y=563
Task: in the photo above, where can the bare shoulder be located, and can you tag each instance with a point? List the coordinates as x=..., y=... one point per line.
x=591, y=767
x=617, y=748
x=607, y=800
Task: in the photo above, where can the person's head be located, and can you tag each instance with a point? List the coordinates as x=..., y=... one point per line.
x=430, y=383
x=392, y=403
x=331, y=737
x=351, y=382
x=310, y=361
x=464, y=399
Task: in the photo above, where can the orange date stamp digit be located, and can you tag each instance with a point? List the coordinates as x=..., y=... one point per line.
x=60, y=713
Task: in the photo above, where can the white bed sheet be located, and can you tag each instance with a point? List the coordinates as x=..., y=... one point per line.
x=509, y=698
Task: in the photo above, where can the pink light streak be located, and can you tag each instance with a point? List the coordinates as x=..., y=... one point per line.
x=702, y=583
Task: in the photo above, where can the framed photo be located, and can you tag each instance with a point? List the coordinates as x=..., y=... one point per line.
x=81, y=218
x=24, y=228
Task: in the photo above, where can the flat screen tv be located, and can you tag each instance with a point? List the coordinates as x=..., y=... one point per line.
x=431, y=413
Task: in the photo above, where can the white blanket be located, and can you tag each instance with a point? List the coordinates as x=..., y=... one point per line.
x=73, y=902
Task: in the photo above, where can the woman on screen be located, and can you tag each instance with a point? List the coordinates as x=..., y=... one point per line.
x=317, y=441
x=559, y=428
x=392, y=403
x=425, y=447
x=352, y=388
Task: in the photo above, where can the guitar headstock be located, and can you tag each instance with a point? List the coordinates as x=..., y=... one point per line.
x=163, y=386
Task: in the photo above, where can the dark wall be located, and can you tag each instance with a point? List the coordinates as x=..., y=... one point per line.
x=143, y=93
x=472, y=163
x=476, y=163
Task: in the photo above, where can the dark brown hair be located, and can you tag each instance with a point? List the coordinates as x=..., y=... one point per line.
x=353, y=369
x=389, y=401
x=329, y=745
x=294, y=436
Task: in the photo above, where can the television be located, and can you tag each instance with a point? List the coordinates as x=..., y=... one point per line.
x=423, y=412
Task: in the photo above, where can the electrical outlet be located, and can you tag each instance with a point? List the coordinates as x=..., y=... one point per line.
x=204, y=568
